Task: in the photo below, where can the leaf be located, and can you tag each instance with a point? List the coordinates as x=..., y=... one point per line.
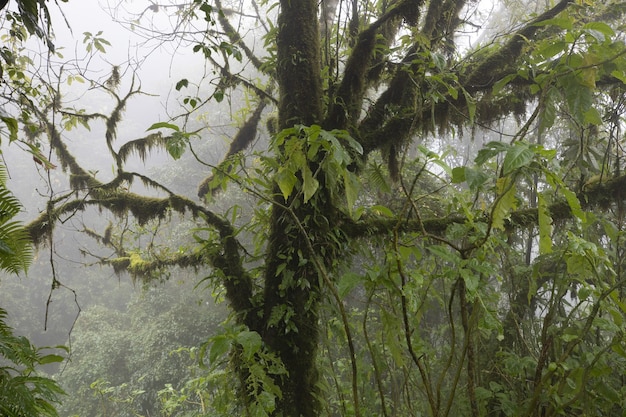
x=50, y=359
x=574, y=204
x=381, y=211
x=578, y=95
x=176, y=145
x=348, y=282
x=11, y=124
x=593, y=116
x=500, y=84
x=545, y=225
x=516, y=157
x=351, y=185
x=600, y=27
x=561, y=22
x=472, y=281
x=458, y=175
x=219, y=347
x=471, y=106
x=490, y=150
x=309, y=184
x=250, y=341
x=475, y=178
x=163, y=125
x=182, y=84
x=286, y=180
x=504, y=204
x=548, y=113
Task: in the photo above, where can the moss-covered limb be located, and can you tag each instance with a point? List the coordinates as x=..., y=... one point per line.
x=142, y=146
x=114, y=118
x=244, y=137
x=345, y=107
x=384, y=127
x=298, y=64
x=148, y=269
x=235, y=38
x=442, y=18
x=500, y=63
x=66, y=159
x=599, y=195
x=226, y=257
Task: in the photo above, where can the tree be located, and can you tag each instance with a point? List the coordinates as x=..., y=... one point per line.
x=470, y=280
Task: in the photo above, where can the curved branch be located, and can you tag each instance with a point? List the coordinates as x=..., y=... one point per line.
x=226, y=257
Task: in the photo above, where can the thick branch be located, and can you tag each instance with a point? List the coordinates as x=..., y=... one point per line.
x=225, y=257
x=346, y=105
x=501, y=62
x=602, y=195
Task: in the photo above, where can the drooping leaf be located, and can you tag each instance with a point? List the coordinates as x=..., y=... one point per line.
x=505, y=203
x=545, y=225
x=309, y=183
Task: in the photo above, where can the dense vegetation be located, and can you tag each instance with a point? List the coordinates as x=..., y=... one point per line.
x=420, y=210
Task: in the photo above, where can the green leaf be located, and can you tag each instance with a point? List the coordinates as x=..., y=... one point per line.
x=163, y=125
x=574, y=204
x=182, y=84
x=490, y=150
x=500, y=84
x=348, y=282
x=504, y=204
x=250, y=341
x=351, y=185
x=548, y=113
x=50, y=359
x=561, y=22
x=471, y=106
x=176, y=145
x=475, y=178
x=219, y=347
x=382, y=211
x=579, y=96
x=600, y=27
x=516, y=157
x=545, y=225
x=309, y=184
x=286, y=180
x=593, y=117
x=11, y=124
x=458, y=175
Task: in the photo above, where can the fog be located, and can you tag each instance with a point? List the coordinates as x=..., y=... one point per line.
x=64, y=288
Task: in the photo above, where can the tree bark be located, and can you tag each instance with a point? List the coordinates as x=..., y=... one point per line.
x=292, y=281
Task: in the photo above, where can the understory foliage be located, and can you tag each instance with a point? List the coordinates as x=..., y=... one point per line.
x=23, y=391
x=438, y=222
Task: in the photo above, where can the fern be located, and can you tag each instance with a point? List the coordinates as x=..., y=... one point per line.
x=22, y=392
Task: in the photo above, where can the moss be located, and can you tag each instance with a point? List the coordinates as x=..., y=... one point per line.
x=119, y=265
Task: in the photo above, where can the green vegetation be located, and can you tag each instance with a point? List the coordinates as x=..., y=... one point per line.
x=427, y=226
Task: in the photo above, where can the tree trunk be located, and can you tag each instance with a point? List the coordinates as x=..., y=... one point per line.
x=292, y=281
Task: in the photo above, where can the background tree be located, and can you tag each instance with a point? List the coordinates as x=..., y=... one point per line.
x=457, y=247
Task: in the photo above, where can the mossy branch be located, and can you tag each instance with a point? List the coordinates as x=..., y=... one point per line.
x=235, y=37
x=244, y=137
x=602, y=195
x=501, y=62
x=346, y=105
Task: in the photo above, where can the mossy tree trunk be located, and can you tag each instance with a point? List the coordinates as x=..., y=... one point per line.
x=292, y=280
